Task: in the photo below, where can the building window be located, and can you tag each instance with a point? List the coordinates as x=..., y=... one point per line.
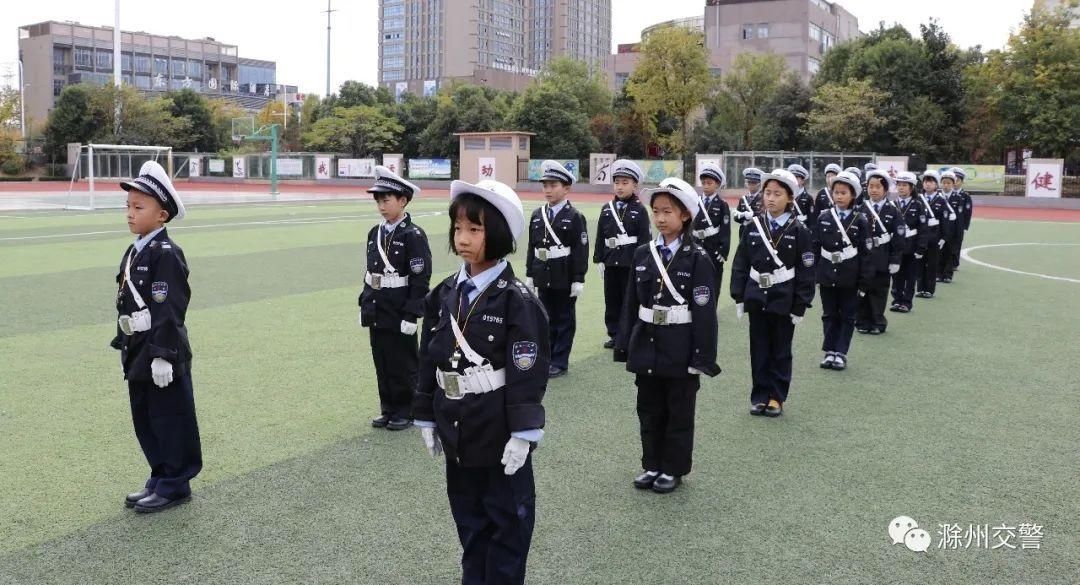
x=179, y=68
x=477, y=143
x=396, y=75
x=747, y=31
x=393, y=62
x=502, y=143
x=57, y=87
x=104, y=60
x=763, y=30
x=84, y=58
x=142, y=63
x=142, y=81
x=395, y=10
x=393, y=23
x=194, y=69
x=812, y=65
x=523, y=143
x=161, y=65
x=125, y=62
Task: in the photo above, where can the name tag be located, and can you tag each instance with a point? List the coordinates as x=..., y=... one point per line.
x=789, y=237
x=491, y=319
x=142, y=268
x=684, y=274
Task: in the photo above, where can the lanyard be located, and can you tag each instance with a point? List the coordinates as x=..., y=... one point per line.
x=127, y=280
x=840, y=226
x=767, y=240
x=386, y=261
x=618, y=219
x=705, y=211
x=547, y=224
x=664, y=275
x=876, y=216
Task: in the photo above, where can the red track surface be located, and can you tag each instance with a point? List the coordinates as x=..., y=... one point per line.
x=981, y=211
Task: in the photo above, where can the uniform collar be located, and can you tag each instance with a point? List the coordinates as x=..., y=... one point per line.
x=673, y=247
x=555, y=209
x=483, y=280
x=782, y=220
x=393, y=226
x=141, y=243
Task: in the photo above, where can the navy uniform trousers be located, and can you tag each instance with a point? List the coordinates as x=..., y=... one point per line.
x=616, y=279
x=903, y=287
x=838, y=308
x=928, y=268
x=562, y=317
x=665, y=408
x=871, y=313
x=168, y=433
x=770, y=356
x=396, y=358
x=494, y=514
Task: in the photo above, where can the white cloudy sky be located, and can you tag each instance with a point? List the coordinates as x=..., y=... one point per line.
x=294, y=33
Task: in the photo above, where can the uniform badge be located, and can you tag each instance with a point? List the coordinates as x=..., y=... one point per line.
x=416, y=265
x=524, y=354
x=501, y=284
x=727, y=219
x=701, y=295
x=640, y=268
x=158, y=291
x=901, y=228
x=585, y=238
x=808, y=259
x=869, y=244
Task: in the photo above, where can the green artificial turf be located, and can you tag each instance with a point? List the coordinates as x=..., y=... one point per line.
x=963, y=413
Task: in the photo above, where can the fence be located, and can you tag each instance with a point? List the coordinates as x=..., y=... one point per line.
x=815, y=162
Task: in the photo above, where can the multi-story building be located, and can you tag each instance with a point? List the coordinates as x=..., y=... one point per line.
x=424, y=44
x=801, y=31
x=57, y=54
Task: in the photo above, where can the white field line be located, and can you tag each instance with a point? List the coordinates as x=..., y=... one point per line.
x=966, y=255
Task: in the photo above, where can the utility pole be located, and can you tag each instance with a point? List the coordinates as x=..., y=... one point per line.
x=116, y=71
x=328, y=13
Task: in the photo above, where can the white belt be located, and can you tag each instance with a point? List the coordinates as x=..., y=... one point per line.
x=769, y=279
x=136, y=322
x=707, y=232
x=546, y=254
x=801, y=218
x=676, y=315
x=910, y=233
x=883, y=240
x=619, y=240
x=932, y=222
x=475, y=380
x=381, y=281
x=847, y=253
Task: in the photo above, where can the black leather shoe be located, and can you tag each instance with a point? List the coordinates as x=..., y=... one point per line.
x=554, y=372
x=877, y=331
x=609, y=344
x=398, y=424
x=758, y=409
x=863, y=330
x=903, y=309
x=774, y=411
x=380, y=421
x=645, y=480
x=130, y=499
x=155, y=503
x=827, y=362
x=895, y=308
x=663, y=485
x=947, y=280
x=840, y=362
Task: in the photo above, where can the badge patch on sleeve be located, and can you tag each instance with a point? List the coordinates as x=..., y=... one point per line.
x=524, y=354
x=701, y=295
x=158, y=291
x=416, y=265
x=585, y=238
x=808, y=259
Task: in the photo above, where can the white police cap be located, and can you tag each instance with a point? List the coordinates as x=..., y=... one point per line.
x=505, y=200
x=833, y=168
x=850, y=179
x=678, y=188
x=154, y=181
x=785, y=177
x=627, y=168
x=387, y=181
x=554, y=171
x=752, y=174
x=712, y=171
x=799, y=171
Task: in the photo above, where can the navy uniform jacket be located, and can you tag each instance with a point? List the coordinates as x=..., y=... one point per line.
x=718, y=246
x=668, y=350
x=853, y=272
x=410, y=255
x=956, y=199
x=933, y=233
x=573, y=232
x=941, y=211
x=160, y=275
x=795, y=249
x=968, y=210
x=508, y=327
x=823, y=201
x=806, y=205
x=756, y=203
x=915, y=220
x=636, y=223
x=885, y=254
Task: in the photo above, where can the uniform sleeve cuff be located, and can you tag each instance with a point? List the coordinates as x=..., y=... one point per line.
x=530, y=435
x=424, y=424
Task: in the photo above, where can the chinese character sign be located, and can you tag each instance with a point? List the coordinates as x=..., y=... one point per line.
x=193, y=166
x=239, y=170
x=393, y=162
x=1044, y=177
x=486, y=168
x=600, y=168
x=322, y=167
x=212, y=83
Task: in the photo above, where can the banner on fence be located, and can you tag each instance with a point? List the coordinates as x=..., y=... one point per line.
x=429, y=168
x=322, y=167
x=217, y=165
x=658, y=170
x=290, y=167
x=239, y=169
x=984, y=178
x=393, y=162
x=600, y=168
x=1044, y=177
x=352, y=168
x=193, y=166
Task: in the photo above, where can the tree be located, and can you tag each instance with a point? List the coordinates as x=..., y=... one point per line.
x=362, y=131
x=748, y=88
x=843, y=116
x=561, y=127
x=672, y=77
x=355, y=93
x=9, y=108
x=462, y=108
x=222, y=114
x=203, y=137
x=782, y=116
x=921, y=129
x=70, y=120
x=568, y=75
x=143, y=121
x=981, y=135
x=415, y=114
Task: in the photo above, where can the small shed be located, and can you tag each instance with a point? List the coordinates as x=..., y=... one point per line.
x=494, y=155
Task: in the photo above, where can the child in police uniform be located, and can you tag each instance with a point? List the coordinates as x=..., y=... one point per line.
x=824, y=200
x=485, y=338
x=622, y=227
x=152, y=302
x=887, y=228
x=391, y=302
x=804, y=201
x=772, y=279
x=712, y=226
x=843, y=241
x=558, y=258
x=668, y=335
x=936, y=216
x=913, y=250
x=954, y=204
x=750, y=203
x=965, y=212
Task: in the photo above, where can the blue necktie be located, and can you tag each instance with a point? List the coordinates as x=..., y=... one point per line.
x=464, y=289
x=619, y=206
x=665, y=252
x=775, y=227
x=550, y=213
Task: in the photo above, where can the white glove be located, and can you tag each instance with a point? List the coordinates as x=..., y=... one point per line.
x=739, y=312
x=408, y=328
x=600, y=268
x=940, y=244
x=952, y=217
x=161, y=370
x=514, y=455
x=694, y=372
x=576, y=289
x=795, y=319
x=862, y=294
x=529, y=284
x=719, y=258
x=431, y=440
x=918, y=256
x=894, y=268
x=360, y=318
x=748, y=215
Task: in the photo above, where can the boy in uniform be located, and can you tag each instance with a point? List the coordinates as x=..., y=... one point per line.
x=804, y=201
x=913, y=248
x=712, y=226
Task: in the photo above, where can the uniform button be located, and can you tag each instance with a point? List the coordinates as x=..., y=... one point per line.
x=648, y=371
x=651, y=340
x=455, y=424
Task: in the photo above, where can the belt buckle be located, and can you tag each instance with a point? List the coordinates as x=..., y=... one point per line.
x=765, y=281
x=451, y=385
x=611, y=242
x=699, y=234
x=542, y=254
x=836, y=257
x=376, y=281
x=125, y=325
x=660, y=316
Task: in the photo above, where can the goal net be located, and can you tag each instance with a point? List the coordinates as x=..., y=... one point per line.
x=100, y=168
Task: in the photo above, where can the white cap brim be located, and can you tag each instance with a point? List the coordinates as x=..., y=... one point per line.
x=511, y=209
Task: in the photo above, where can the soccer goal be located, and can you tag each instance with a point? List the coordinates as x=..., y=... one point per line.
x=114, y=162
